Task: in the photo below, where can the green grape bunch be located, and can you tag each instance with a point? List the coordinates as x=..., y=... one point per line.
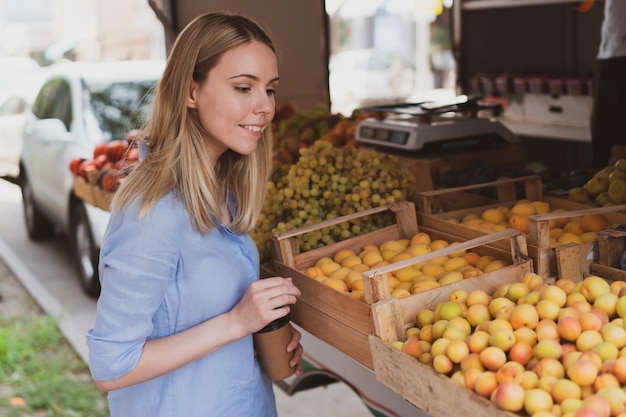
x=328, y=182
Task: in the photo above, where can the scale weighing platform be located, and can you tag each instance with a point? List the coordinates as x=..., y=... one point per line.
x=431, y=126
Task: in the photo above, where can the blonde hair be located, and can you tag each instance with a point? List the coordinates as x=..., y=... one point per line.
x=176, y=158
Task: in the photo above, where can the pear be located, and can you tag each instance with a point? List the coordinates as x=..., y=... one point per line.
x=620, y=164
x=596, y=185
x=579, y=195
x=603, y=199
x=604, y=173
x=617, y=174
x=617, y=192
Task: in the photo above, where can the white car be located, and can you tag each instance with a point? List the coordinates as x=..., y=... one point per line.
x=80, y=105
x=20, y=78
x=12, y=110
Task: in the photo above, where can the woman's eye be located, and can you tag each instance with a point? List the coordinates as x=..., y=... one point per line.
x=271, y=92
x=242, y=89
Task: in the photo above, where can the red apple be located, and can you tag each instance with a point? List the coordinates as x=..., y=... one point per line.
x=75, y=164
x=116, y=149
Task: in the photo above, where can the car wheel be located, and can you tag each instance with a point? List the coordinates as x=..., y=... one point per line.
x=37, y=225
x=85, y=252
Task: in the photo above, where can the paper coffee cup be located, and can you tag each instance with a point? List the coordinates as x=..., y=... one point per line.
x=271, y=345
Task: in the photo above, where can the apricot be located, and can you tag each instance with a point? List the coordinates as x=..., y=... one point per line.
x=335, y=283
x=492, y=358
x=420, y=237
x=582, y=371
x=342, y=254
x=594, y=222
x=478, y=297
x=510, y=396
x=524, y=209
x=485, y=384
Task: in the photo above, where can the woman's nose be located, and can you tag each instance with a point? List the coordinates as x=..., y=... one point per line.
x=265, y=104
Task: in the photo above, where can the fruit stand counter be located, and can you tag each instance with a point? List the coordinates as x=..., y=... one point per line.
x=445, y=210
x=338, y=317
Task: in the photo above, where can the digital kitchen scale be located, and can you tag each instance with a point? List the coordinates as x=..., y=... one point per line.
x=432, y=125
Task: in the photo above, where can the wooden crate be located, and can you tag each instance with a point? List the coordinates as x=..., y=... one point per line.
x=419, y=384
x=333, y=316
x=460, y=201
x=84, y=190
x=437, y=394
x=429, y=170
x=92, y=194
x=610, y=247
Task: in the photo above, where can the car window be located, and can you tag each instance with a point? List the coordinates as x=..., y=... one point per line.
x=53, y=101
x=13, y=105
x=63, y=107
x=114, y=108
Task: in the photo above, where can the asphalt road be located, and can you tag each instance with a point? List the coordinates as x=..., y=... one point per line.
x=46, y=270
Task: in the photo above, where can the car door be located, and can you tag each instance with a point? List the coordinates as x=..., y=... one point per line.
x=44, y=147
x=11, y=125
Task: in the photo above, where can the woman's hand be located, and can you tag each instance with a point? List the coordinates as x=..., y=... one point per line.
x=265, y=300
x=295, y=347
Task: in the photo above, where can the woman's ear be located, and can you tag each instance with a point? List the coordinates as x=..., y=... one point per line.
x=191, y=99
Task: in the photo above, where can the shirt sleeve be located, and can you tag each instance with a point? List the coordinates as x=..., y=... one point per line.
x=137, y=264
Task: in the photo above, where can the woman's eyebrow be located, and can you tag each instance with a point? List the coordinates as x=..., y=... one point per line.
x=254, y=77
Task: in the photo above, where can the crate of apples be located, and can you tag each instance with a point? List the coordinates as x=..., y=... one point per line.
x=98, y=177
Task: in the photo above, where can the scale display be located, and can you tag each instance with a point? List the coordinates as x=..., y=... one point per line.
x=396, y=137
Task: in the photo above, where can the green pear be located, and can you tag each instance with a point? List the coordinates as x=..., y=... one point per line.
x=579, y=195
x=596, y=185
x=604, y=173
x=617, y=174
x=617, y=192
x=603, y=199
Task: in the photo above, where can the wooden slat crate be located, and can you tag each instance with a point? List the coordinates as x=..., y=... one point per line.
x=420, y=385
x=458, y=202
x=84, y=190
x=436, y=394
x=429, y=169
x=335, y=317
x=610, y=244
x=92, y=194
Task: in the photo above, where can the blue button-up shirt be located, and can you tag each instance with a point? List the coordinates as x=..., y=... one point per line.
x=160, y=277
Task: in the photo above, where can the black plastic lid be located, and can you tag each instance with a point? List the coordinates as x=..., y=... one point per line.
x=276, y=324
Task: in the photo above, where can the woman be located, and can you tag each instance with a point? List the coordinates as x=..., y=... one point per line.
x=180, y=295
x=609, y=101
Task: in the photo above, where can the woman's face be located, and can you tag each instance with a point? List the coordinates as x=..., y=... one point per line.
x=236, y=102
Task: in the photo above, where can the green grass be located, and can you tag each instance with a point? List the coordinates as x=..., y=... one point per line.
x=38, y=365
